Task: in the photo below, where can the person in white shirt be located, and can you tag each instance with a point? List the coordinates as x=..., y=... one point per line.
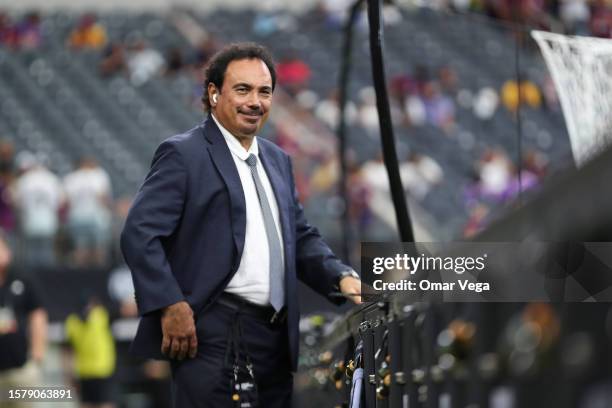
x=38, y=196
x=88, y=192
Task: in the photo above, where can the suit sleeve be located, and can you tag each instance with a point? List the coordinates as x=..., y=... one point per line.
x=154, y=215
x=317, y=266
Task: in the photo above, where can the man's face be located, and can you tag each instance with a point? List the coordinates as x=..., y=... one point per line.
x=243, y=104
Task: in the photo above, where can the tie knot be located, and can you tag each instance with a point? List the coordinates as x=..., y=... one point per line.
x=251, y=160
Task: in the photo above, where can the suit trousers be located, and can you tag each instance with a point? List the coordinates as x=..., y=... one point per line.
x=205, y=381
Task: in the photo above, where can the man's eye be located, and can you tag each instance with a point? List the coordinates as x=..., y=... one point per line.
x=241, y=90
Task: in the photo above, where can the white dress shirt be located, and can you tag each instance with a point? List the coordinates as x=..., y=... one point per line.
x=252, y=279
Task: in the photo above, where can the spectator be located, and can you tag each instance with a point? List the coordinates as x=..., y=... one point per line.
x=88, y=34
x=461, y=5
x=266, y=24
x=8, y=32
x=38, y=196
x=421, y=77
x=88, y=192
x=575, y=14
x=325, y=175
x=532, y=171
x=143, y=63
x=486, y=102
x=495, y=173
x=448, y=80
x=391, y=14
x=529, y=94
x=359, y=193
x=174, y=61
x=28, y=32
x=368, y=112
x=307, y=99
x=205, y=49
x=401, y=86
x=285, y=141
x=91, y=339
x=23, y=328
x=533, y=13
x=528, y=11
x=293, y=74
x=415, y=111
x=327, y=111
x=477, y=220
x=7, y=215
x=601, y=20
x=419, y=174
x=333, y=12
x=439, y=108
x=518, y=184
x=496, y=179
x=536, y=162
x=375, y=175
x=113, y=61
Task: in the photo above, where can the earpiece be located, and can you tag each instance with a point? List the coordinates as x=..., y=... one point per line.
x=214, y=98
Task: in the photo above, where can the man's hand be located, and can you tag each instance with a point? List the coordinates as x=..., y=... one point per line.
x=351, y=288
x=178, y=328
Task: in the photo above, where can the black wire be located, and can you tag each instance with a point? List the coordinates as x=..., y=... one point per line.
x=519, y=32
x=404, y=224
x=345, y=71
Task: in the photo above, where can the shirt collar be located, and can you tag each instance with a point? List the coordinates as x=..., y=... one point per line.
x=234, y=145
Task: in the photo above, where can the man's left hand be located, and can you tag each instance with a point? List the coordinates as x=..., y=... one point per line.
x=351, y=288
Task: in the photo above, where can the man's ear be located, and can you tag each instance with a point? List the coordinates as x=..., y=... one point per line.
x=212, y=94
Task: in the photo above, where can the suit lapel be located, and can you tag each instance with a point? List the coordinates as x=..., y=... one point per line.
x=222, y=159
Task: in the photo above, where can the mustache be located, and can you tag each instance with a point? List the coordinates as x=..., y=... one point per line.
x=251, y=111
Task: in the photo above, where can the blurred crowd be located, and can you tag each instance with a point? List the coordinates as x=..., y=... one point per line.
x=140, y=62
x=580, y=17
x=423, y=96
x=23, y=34
x=421, y=99
x=53, y=220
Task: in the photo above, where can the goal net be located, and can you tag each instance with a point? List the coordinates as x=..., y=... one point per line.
x=581, y=68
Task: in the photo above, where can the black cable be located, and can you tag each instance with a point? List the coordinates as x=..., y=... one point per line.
x=404, y=225
x=518, y=30
x=345, y=70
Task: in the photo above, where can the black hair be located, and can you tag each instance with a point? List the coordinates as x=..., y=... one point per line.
x=215, y=69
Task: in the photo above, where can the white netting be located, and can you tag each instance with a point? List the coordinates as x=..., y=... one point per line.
x=581, y=68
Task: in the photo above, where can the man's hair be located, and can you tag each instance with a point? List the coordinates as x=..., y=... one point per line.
x=216, y=67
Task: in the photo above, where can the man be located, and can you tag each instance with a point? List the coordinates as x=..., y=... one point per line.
x=23, y=328
x=89, y=196
x=38, y=195
x=216, y=240
x=93, y=351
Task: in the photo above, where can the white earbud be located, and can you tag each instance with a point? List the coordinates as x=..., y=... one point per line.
x=214, y=98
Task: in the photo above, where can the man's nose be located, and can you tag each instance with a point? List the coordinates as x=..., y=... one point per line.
x=254, y=100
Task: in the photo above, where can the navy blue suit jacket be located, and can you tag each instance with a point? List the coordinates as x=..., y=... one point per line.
x=184, y=235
